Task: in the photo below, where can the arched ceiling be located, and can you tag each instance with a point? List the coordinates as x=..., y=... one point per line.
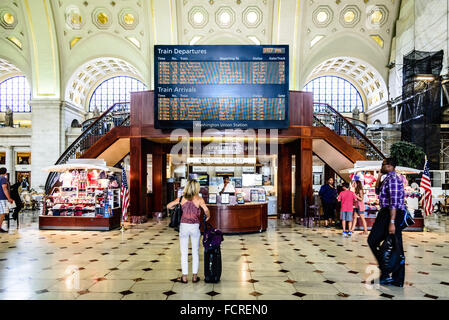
x=88, y=76
x=362, y=29
x=364, y=76
x=59, y=37
x=248, y=21
x=7, y=69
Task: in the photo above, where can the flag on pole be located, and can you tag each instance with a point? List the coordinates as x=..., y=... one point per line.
x=124, y=195
x=426, y=185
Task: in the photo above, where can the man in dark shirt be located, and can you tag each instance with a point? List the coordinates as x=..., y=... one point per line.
x=328, y=195
x=388, y=220
x=4, y=197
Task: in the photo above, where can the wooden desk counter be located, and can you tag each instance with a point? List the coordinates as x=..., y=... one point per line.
x=241, y=218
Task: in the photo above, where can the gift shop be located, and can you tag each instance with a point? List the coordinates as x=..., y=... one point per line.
x=86, y=196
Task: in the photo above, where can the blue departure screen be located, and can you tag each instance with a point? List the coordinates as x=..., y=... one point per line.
x=222, y=86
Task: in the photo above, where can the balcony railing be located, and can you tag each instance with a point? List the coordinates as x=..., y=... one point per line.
x=348, y=129
x=117, y=115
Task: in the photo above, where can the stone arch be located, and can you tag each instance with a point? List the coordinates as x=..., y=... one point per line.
x=363, y=75
x=89, y=75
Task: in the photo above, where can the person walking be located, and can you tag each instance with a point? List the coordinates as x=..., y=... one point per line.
x=16, y=197
x=5, y=197
x=191, y=203
x=347, y=198
x=391, y=199
x=359, y=208
x=328, y=195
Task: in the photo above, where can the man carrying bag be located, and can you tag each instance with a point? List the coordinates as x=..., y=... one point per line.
x=388, y=226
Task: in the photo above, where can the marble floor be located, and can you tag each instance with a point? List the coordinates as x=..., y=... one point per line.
x=288, y=261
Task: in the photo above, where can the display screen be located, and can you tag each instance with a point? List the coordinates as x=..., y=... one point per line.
x=203, y=179
x=221, y=86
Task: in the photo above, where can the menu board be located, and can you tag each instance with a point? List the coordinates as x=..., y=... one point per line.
x=221, y=86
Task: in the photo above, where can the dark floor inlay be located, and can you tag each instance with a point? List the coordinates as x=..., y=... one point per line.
x=283, y=271
x=353, y=272
x=278, y=262
x=341, y=294
x=154, y=261
x=422, y=272
x=147, y=269
x=329, y=281
x=386, y=295
x=430, y=296
x=212, y=293
x=126, y=292
x=299, y=294
x=318, y=271
x=436, y=264
x=83, y=292
x=93, y=260
x=41, y=291
x=100, y=279
x=138, y=279
x=114, y=269
x=253, y=280
x=445, y=283
x=255, y=293
x=169, y=293
x=290, y=281
x=124, y=260
x=331, y=256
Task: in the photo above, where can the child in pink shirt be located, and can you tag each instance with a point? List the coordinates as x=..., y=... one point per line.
x=347, y=198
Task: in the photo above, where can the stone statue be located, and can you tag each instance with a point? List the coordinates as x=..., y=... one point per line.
x=9, y=120
x=356, y=113
x=96, y=112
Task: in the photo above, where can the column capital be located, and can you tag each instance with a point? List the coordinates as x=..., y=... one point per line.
x=45, y=104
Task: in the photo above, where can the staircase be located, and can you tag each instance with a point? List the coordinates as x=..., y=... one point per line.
x=117, y=115
x=326, y=116
x=333, y=125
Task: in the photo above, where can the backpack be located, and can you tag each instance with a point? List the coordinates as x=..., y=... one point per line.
x=212, y=238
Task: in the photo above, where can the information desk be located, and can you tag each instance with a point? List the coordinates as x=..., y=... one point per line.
x=248, y=217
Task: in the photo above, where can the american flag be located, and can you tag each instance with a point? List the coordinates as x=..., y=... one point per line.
x=426, y=185
x=124, y=195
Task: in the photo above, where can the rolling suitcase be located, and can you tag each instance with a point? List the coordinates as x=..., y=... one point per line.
x=212, y=265
x=212, y=239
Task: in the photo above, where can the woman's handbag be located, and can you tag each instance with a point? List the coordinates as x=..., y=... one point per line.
x=175, y=219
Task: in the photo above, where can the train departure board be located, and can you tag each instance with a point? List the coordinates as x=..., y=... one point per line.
x=221, y=86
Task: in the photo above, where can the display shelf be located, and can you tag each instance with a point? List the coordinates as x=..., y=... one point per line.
x=81, y=223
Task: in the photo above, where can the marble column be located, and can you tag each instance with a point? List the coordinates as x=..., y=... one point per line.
x=10, y=163
x=46, y=144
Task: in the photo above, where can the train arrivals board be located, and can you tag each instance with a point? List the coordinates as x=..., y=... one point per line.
x=221, y=86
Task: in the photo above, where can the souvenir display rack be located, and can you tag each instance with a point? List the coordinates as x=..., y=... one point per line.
x=82, y=205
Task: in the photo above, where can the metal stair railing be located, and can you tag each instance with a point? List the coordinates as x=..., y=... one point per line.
x=118, y=115
x=325, y=115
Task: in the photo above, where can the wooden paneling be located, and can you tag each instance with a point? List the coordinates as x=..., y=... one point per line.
x=337, y=142
x=106, y=141
x=305, y=164
x=80, y=223
x=300, y=108
x=142, y=111
x=284, y=179
x=159, y=176
x=239, y=218
x=138, y=177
